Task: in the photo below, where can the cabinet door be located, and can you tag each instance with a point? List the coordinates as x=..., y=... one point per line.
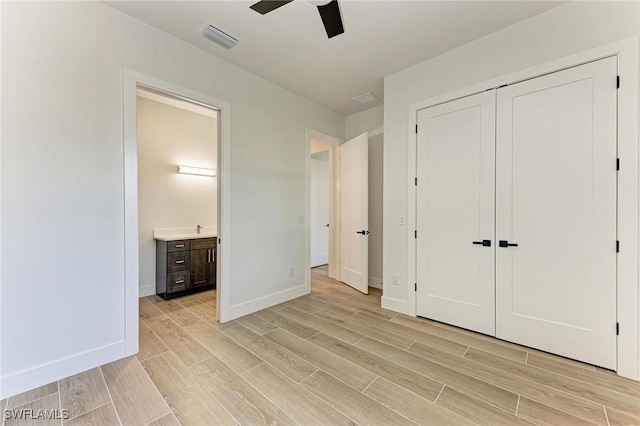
x=455, y=212
x=556, y=199
x=202, y=264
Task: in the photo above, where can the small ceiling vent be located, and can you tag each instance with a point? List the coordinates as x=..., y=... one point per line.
x=219, y=37
x=366, y=99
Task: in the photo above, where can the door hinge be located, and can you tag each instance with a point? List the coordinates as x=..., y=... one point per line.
x=617, y=246
x=617, y=82
x=416, y=128
x=415, y=287
x=416, y=181
x=415, y=234
x=617, y=329
x=617, y=164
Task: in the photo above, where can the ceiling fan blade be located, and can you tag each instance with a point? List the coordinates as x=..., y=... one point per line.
x=266, y=6
x=330, y=14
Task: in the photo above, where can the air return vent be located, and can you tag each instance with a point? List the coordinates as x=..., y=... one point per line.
x=366, y=99
x=219, y=37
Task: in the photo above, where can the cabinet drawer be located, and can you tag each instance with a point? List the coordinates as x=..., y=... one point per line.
x=178, y=281
x=178, y=245
x=178, y=261
x=203, y=243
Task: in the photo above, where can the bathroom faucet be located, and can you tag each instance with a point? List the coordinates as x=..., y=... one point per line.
x=198, y=229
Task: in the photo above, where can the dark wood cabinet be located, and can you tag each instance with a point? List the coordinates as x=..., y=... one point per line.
x=185, y=266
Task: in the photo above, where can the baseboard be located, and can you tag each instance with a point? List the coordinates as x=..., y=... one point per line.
x=396, y=305
x=40, y=375
x=375, y=282
x=251, y=306
x=147, y=290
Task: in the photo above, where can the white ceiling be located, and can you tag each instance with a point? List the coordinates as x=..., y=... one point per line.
x=289, y=46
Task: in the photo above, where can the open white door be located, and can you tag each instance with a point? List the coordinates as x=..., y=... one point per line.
x=354, y=213
x=556, y=213
x=320, y=210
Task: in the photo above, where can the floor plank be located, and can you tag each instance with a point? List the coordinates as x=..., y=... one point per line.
x=84, y=392
x=32, y=395
x=617, y=418
x=290, y=364
x=547, y=395
x=233, y=354
x=476, y=388
x=189, y=401
x=300, y=404
x=149, y=344
x=574, y=387
x=255, y=324
x=104, y=415
x=135, y=397
x=322, y=325
x=392, y=371
x=417, y=409
x=286, y=323
x=613, y=383
x=243, y=401
x=186, y=348
x=376, y=333
x=168, y=420
x=350, y=373
x=148, y=311
x=544, y=415
x=475, y=410
x=48, y=402
x=353, y=404
x=450, y=346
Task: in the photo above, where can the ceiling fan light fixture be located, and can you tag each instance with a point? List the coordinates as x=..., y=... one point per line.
x=366, y=99
x=219, y=37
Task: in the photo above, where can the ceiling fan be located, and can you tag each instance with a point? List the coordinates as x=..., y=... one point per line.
x=329, y=13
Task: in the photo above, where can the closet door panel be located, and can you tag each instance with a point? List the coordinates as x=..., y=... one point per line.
x=455, y=207
x=556, y=199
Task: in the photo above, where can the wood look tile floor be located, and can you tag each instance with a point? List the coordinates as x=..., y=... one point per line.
x=331, y=357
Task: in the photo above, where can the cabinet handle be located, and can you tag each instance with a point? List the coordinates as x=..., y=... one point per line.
x=209, y=256
x=179, y=282
x=179, y=245
x=179, y=262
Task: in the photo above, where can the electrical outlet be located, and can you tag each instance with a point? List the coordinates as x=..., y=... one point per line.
x=291, y=271
x=395, y=278
x=300, y=220
x=402, y=221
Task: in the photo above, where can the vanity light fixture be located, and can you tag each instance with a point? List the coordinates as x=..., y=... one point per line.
x=189, y=170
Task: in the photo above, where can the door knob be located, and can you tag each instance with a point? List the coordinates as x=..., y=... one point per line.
x=484, y=243
x=505, y=243
x=362, y=232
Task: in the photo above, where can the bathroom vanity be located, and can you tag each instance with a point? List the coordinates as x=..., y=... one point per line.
x=185, y=263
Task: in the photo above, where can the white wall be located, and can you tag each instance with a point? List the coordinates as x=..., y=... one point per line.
x=62, y=179
x=169, y=136
x=371, y=121
x=568, y=29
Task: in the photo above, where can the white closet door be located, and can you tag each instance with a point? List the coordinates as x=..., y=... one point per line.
x=455, y=208
x=556, y=199
x=319, y=212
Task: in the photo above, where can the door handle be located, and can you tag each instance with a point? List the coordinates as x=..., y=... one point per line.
x=505, y=243
x=483, y=243
x=327, y=225
x=362, y=232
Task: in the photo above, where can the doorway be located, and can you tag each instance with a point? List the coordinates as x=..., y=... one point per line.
x=132, y=82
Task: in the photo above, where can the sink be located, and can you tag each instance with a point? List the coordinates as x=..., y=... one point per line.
x=172, y=234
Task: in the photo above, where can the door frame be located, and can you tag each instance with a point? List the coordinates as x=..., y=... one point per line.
x=334, y=204
x=628, y=291
x=132, y=80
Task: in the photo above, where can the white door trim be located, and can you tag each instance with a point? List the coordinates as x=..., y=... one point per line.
x=334, y=204
x=131, y=81
x=628, y=291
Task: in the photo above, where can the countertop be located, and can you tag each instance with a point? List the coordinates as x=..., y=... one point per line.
x=183, y=234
